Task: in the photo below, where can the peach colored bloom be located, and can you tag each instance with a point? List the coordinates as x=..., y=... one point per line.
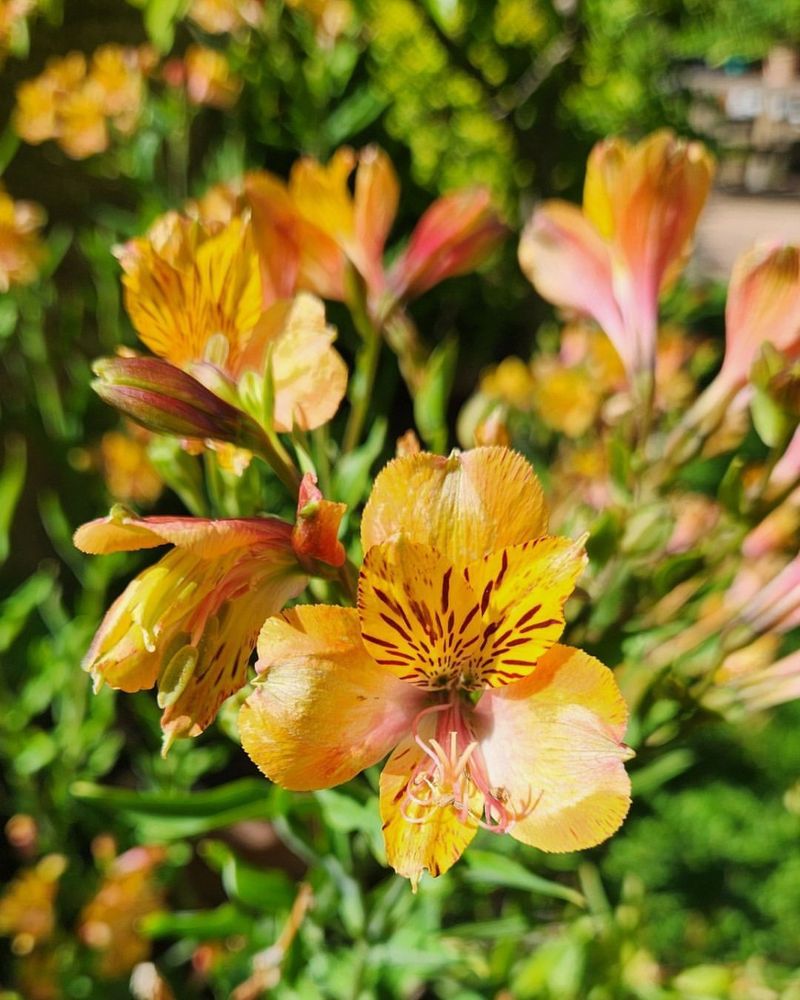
x=188, y=623
x=21, y=249
x=613, y=260
x=763, y=306
x=451, y=665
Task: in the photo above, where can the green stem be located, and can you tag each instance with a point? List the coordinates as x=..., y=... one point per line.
x=362, y=385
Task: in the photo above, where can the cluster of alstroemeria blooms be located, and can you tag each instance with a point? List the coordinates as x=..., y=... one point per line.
x=450, y=662
x=611, y=263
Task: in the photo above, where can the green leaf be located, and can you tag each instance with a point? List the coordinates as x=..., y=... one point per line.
x=351, y=476
x=433, y=396
x=174, y=815
x=16, y=608
x=731, y=489
x=486, y=868
x=205, y=925
x=12, y=480
x=353, y=115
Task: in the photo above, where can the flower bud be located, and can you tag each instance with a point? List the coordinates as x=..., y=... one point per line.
x=455, y=236
x=166, y=400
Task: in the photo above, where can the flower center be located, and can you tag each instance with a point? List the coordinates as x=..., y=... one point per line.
x=451, y=773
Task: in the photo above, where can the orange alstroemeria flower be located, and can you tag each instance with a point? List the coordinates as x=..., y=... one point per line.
x=194, y=294
x=450, y=664
x=188, y=623
x=613, y=259
x=219, y=17
x=319, y=225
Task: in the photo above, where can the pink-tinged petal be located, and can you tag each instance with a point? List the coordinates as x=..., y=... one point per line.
x=323, y=709
x=569, y=264
x=763, y=305
x=465, y=506
x=454, y=236
x=552, y=749
x=123, y=531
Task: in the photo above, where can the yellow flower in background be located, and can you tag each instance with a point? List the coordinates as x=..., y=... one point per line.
x=330, y=17
x=75, y=102
x=21, y=249
x=219, y=17
x=110, y=922
x=194, y=295
x=27, y=906
x=188, y=623
x=129, y=474
x=451, y=664
x=209, y=78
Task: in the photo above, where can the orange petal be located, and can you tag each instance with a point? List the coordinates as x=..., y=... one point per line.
x=323, y=710
x=420, y=838
x=419, y=618
x=376, y=198
x=321, y=195
x=569, y=264
x=316, y=531
x=522, y=591
x=275, y=234
x=553, y=752
x=466, y=506
x=123, y=531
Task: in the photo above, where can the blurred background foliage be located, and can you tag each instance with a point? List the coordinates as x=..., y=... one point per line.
x=700, y=897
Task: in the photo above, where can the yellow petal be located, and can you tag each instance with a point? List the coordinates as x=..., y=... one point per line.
x=466, y=506
x=321, y=195
x=419, y=617
x=323, y=710
x=522, y=592
x=186, y=283
x=553, y=752
x=421, y=838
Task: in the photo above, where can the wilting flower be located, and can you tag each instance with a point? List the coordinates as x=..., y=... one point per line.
x=27, y=906
x=21, y=250
x=73, y=102
x=209, y=79
x=195, y=297
x=219, y=17
x=188, y=623
x=450, y=663
x=613, y=260
x=323, y=225
x=110, y=922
